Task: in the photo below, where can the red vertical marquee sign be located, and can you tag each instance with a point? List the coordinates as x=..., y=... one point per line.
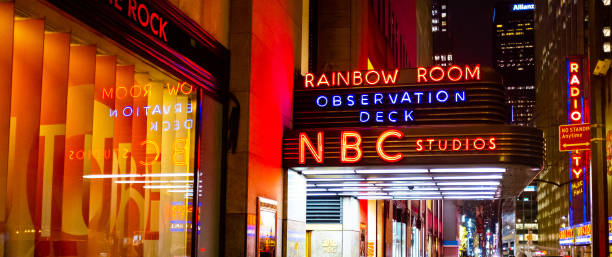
x=579, y=160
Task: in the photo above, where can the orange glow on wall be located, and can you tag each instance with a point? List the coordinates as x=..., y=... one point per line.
x=24, y=134
x=355, y=146
x=381, y=140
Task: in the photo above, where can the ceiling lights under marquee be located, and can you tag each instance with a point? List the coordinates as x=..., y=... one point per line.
x=421, y=183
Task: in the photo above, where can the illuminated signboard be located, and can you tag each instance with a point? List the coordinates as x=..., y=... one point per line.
x=155, y=29
x=566, y=236
x=142, y=15
x=523, y=7
x=419, y=145
x=579, y=161
x=574, y=137
x=609, y=229
x=399, y=97
x=582, y=233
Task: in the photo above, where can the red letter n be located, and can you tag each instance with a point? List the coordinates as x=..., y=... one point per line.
x=305, y=141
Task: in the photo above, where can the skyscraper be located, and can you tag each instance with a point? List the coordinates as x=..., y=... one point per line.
x=513, y=54
x=442, y=40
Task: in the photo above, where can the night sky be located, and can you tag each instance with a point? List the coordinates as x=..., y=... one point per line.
x=471, y=27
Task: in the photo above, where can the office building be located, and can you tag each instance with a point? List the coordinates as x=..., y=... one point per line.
x=441, y=35
x=513, y=54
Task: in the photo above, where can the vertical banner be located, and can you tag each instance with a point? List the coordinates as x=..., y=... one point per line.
x=6, y=67
x=79, y=126
x=24, y=134
x=52, y=140
x=579, y=160
x=101, y=154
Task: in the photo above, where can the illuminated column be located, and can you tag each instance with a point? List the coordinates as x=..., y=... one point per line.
x=122, y=147
x=24, y=134
x=101, y=154
x=52, y=134
x=79, y=124
x=371, y=228
x=154, y=135
x=6, y=67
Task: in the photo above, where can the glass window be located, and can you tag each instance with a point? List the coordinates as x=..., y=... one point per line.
x=103, y=147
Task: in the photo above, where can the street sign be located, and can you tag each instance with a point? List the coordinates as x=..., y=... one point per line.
x=574, y=137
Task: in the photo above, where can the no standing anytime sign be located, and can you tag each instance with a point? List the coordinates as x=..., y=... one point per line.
x=574, y=137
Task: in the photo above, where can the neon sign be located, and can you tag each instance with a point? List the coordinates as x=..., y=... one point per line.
x=575, y=95
x=583, y=234
x=404, y=98
x=523, y=7
x=453, y=73
x=180, y=153
x=579, y=161
x=425, y=95
x=348, y=78
x=140, y=14
x=566, y=236
x=351, y=145
x=135, y=91
x=456, y=144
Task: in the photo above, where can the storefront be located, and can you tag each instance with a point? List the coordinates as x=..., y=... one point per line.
x=114, y=148
x=413, y=136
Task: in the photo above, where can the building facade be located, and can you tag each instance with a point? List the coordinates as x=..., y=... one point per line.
x=103, y=125
x=513, y=53
x=441, y=35
x=570, y=35
x=160, y=128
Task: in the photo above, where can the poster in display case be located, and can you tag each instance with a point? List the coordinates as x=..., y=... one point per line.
x=266, y=227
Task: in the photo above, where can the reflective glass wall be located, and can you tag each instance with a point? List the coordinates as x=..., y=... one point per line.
x=101, y=146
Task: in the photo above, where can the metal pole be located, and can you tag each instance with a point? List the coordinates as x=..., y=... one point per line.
x=598, y=192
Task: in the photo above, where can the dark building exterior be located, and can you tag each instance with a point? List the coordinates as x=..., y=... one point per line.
x=520, y=223
x=441, y=35
x=572, y=34
x=513, y=47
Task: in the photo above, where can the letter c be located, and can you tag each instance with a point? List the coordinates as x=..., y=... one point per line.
x=379, y=145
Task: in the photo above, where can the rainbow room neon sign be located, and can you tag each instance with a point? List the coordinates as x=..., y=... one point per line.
x=351, y=142
x=389, y=105
x=350, y=78
x=453, y=73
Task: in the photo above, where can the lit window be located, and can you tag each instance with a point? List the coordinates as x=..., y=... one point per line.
x=434, y=21
x=444, y=6
x=443, y=23
x=606, y=47
x=450, y=57
x=443, y=29
x=443, y=57
x=605, y=2
x=434, y=28
x=437, y=57
x=606, y=31
x=443, y=15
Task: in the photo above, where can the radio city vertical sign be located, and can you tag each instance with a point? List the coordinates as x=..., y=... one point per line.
x=426, y=95
x=577, y=133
